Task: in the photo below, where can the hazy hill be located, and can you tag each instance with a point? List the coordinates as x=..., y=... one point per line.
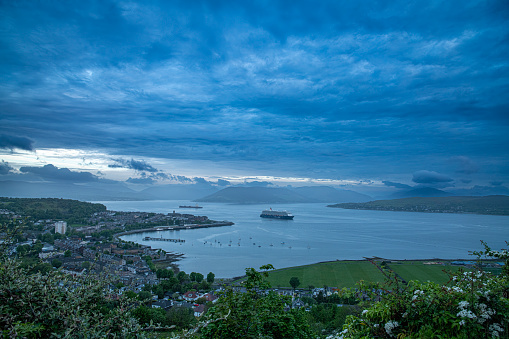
x=96, y=191
x=254, y=195
x=179, y=192
x=262, y=195
x=330, y=194
x=493, y=204
x=421, y=192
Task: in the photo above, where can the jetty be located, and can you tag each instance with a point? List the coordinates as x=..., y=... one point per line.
x=176, y=228
x=164, y=239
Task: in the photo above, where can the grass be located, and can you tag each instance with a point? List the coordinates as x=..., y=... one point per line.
x=337, y=274
x=416, y=270
x=347, y=273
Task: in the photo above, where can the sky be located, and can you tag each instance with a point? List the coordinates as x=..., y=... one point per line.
x=356, y=94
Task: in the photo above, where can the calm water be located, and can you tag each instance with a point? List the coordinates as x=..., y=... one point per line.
x=317, y=233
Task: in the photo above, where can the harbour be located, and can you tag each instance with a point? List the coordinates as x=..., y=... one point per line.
x=317, y=234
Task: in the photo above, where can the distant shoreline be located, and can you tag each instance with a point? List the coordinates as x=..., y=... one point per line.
x=488, y=205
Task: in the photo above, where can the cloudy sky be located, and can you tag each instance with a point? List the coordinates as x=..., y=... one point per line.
x=358, y=93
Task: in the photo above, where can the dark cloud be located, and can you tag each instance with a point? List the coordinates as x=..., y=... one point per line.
x=5, y=168
x=14, y=142
x=221, y=182
x=258, y=183
x=297, y=89
x=465, y=165
x=136, y=165
x=201, y=181
x=395, y=184
x=143, y=181
x=53, y=173
x=430, y=177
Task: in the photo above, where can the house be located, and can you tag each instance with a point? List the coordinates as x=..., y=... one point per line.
x=191, y=295
x=199, y=310
x=210, y=297
x=164, y=304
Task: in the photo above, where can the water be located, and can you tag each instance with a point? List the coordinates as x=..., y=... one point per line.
x=317, y=233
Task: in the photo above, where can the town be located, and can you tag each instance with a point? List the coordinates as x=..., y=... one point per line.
x=139, y=271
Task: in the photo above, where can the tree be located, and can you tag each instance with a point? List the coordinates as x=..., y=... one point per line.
x=144, y=295
x=50, y=304
x=210, y=277
x=67, y=253
x=56, y=263
x=294, y=282
x=256, y=313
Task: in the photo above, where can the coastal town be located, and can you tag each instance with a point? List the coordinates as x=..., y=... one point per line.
x=135, y=269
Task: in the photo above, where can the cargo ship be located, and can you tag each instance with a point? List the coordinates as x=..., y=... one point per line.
x=187, y=206
x=276, y=214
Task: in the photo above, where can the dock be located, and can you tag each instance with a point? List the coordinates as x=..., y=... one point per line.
x=164, y=239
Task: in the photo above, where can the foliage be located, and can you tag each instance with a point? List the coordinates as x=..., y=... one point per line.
x=326, y=318
x=294, y=282
x=72, y=211
x=256, y=313
x=49, y=304
x=210, y=277
x=475, y=305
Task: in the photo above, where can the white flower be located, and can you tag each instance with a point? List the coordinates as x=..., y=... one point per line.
x=457, y=289
x=364, y=312
x=466, y=314
x=462, y=322
x=389, y=326
x=463, y=304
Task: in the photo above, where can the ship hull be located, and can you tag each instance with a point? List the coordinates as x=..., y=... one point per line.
x=286, y=217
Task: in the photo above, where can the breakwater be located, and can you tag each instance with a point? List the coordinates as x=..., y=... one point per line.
x=177, y=228
x=164, y=239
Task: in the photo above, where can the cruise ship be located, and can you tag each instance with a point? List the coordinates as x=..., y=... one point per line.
x=276, y=214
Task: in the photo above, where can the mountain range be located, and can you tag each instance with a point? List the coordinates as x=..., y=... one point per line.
x=104, y=190
x=259, y=195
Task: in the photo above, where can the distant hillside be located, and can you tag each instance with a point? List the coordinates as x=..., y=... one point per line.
x=421, y=192
x=51, y=208
x=179, y=191
x=329, y=194
x=254, y=195
x=493, y=204
x=94, y=191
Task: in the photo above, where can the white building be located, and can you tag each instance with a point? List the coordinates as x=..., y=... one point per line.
x=60, y=227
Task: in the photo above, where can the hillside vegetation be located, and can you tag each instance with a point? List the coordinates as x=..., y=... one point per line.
x=493, y=204
x=51, y=208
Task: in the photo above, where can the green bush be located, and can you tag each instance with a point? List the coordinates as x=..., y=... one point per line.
x=475, y=305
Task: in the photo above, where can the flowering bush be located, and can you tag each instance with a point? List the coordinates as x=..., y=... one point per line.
x=474, y=305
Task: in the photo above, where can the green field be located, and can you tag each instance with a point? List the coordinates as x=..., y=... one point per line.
x=337, y=274
x=416, y=270
x=347, y=273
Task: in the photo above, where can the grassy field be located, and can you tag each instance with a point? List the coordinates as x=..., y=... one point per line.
x=416, y=270
x=348, y=273
x=337, y=273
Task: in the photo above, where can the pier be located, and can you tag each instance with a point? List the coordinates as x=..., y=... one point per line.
x=164, y=239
